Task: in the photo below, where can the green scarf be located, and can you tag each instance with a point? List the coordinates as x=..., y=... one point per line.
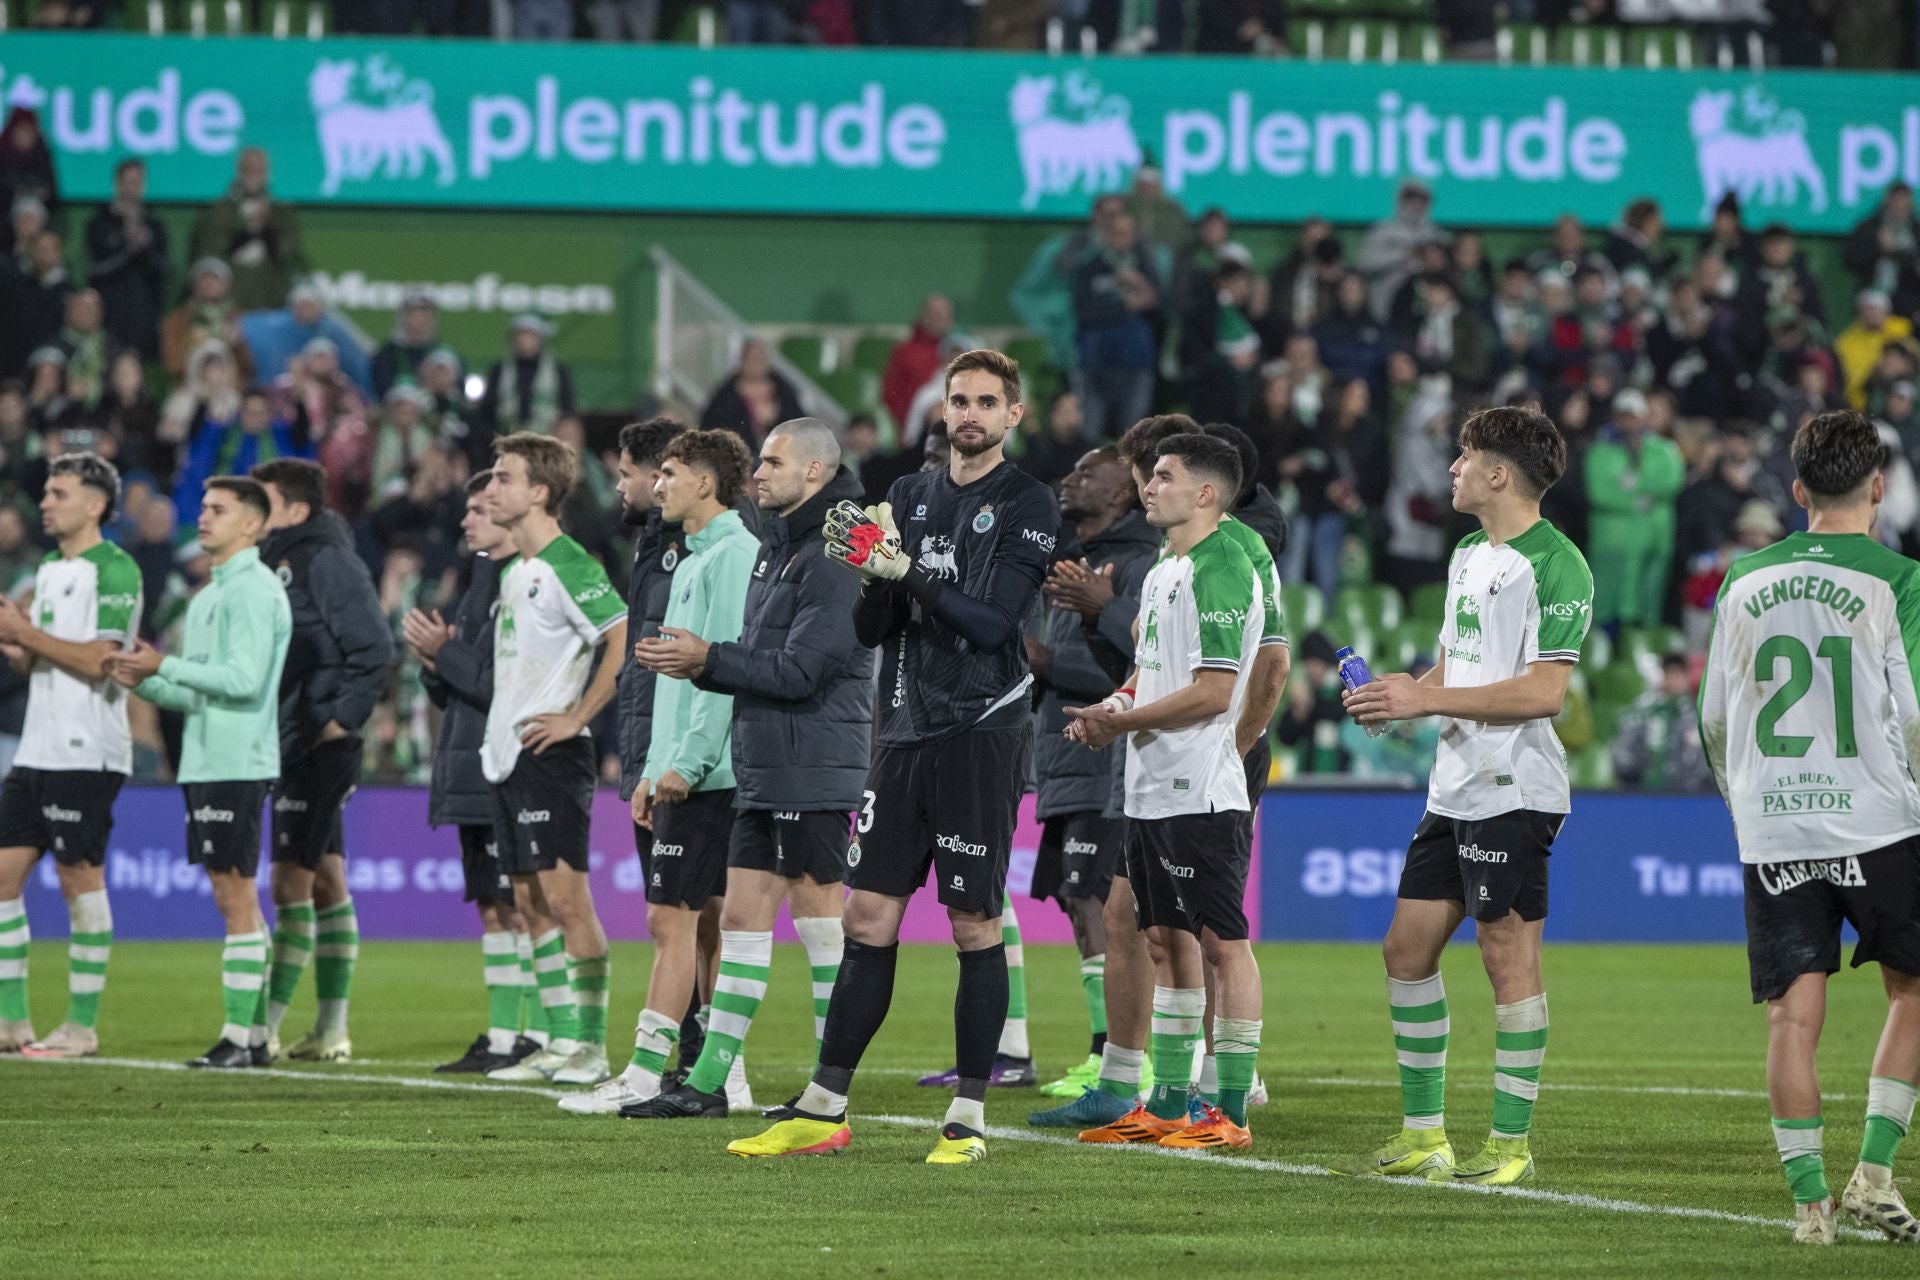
x=87, y=364
x=544, y=402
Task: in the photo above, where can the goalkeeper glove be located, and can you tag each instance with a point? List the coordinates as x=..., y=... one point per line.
x=867, y=541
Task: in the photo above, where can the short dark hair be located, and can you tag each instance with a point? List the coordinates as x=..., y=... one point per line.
x=128, y=162
x=722, y=454
x=1244, y=446
x=1835, y=453
x=1525, y=438
x=1141, y=444
x=986, y=360
x=92, y=471
x=297, y=479
x=1209, y=458
x=646, y=442
x=549, y=461
x=248, y=491
x=477, y=482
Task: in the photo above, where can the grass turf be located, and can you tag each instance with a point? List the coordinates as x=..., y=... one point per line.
x=122, y=1170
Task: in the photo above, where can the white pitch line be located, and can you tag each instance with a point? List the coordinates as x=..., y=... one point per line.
x=1572, y=1200
x=1549, y=1086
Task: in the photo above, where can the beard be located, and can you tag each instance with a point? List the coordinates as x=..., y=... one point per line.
x=633, y=517
x=969, y=450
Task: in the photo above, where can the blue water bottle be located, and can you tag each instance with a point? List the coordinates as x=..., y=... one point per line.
x=1353, y=674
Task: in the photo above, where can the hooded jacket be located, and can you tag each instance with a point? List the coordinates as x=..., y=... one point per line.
x=461, y=685
x=802, y=683
x=1071, y=778
x=342, y=647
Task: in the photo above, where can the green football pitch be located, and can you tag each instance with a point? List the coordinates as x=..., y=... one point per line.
x=1651, y=1136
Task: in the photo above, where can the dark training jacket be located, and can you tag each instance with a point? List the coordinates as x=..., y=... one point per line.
x=342, y=648
x=461, y=685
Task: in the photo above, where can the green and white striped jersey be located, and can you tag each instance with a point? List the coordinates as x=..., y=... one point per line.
x=1807, y=708
x=552, y=612
x=72, y=724
x=1526, y=601
x=1201, y=611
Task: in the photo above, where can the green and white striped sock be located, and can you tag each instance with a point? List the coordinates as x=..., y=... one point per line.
x=243, y=975
x=1093, y=985
x=556, y=993
x=501, y=973
x=1420, y=1029
x=592, y=975
x=1519, y=1047
x=1801, y=1159
x=745, y=961
x=14, y=937
x=825, y=941
x=293, y=932
x=87, y=951
x=1177, y=1013
x=336, y=951
x=533, y=1014
x=1236, y=1047
x=653, y=1040
x=1013, y=1036
x=1889, y=1116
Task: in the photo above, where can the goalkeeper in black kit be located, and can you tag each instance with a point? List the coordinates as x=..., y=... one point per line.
x=951, y=563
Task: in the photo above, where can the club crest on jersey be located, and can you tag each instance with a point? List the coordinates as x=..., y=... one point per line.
x=284, y=573
x=533, y=591
x=853, y=855
x=983, y=519
x=669, y=558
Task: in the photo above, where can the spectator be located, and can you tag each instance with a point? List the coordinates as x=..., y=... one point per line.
x=1859, y=345
x=617, y=20
x=1052, y=453
x=1633, y=478
x=231, y=434
x=1301, y=288
x=414, y=335
x=1590, y=328
x=329, y=415
x=1257, y=27
x=754, y=398
x=276, y=338
x=1691, y=351
x=127, y=246
x=1403, y=312
x=1567, y=255
x=425, y=518
x=33, y=303
x=19, y=557
x=1449, y=339
x=206, y=314
x=404, y=438
x=1117, y=297
x=760, y=22
x=19, y=444
x=1211, y=248
x=1389, y=252
x=1778, y=278
x=1656, y=746
x=1636, y=240
x=451, y=414
x=256, y=235
x=26, y=219
x=1220, y=349
x=1349, y=341
x=1043, y=296
x=530, y=389
x=132, y=416
x=152, y=548
x=1162, y=221
x=916, y=358
x=26, y=162
x=1311, y=714
x=1340, y=471
x=1471, y=271
x=88, y=347
x=1419, y=499
x=47, y=398
x=1883, y=252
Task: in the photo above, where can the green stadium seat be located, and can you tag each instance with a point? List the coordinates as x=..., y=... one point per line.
x=1031, y=355
x=1429, y=602
x=1592, y=769
x=688, y=29
x=1421, y=638
x=1659, y=47
x=871, y=353
x=1619, y=683
x=1375, y=605
x=1389, y=650
x=808, y=352
x=1306, y=609
x=854, y=390
x=1597, y=653
x=1525, y=45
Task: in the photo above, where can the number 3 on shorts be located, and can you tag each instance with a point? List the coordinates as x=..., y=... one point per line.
x=866, y=813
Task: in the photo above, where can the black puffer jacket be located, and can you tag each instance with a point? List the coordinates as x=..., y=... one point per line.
x=658, y=550
x=802, y=684
x=461, y=685
x=1071, y=778
x=342, y=647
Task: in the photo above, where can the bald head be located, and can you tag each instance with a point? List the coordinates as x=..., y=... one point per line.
x=798, y=459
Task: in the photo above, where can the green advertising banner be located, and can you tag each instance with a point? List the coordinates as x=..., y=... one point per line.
x=786, y=131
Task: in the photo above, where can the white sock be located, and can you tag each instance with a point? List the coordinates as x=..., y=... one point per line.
x=1209, y=1076
x=816, y=1101
x=826, y=941
x=968, y=1111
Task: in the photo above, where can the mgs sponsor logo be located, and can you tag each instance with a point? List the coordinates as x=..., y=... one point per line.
x=1566, y=610
x=529, y=817
x=587, y=595
x=1039, y=539
x=1474, y=853
x=1223, y=617
x=954, y=844
x=207, y=813
x=1778, y=877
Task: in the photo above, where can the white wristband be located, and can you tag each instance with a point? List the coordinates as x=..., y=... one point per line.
x=1118, y=701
